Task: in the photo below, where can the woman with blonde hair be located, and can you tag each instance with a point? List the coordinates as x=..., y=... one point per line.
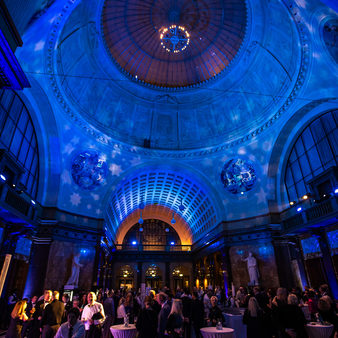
x=18, y=317
x=253, y=319
x=175, y=320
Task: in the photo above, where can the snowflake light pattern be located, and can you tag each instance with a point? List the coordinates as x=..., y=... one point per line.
x=89, y=170
x=238, y=176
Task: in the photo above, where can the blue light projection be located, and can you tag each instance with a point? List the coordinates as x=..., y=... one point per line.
x=311, y=247
x=332, y=237
x=89, y=170
x=238, y=176
x=23, y=246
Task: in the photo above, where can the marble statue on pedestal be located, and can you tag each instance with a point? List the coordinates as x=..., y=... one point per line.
x=74, y=277
x=252, y=269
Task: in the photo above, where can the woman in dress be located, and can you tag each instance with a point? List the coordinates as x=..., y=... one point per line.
x=121, y=312
x=175, y=320
x=18, y=317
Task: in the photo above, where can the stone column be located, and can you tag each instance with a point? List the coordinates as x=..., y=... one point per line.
x=300, y=261
x=226, y=269
x=327, y=262
x=97, y=264
x=139, y=275
x=167, y=274
x=283, y=261
x=37, y=266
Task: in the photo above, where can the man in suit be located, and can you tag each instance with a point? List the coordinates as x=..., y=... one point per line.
x=109, y=310
x=52, y=317
x=163, y=315
x=37, y=316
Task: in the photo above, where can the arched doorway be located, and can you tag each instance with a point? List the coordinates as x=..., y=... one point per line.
x=153, y=277
x=180, y=276
x=125, y=278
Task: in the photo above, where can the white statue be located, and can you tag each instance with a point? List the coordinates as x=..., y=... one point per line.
x=252, y=269
x=74, y=278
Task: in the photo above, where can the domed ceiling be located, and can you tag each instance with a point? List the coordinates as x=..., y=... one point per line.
x=120, y=82
x=173, y=43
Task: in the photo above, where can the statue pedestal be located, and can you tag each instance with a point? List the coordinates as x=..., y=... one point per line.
x=69, y=290
x=70, y=287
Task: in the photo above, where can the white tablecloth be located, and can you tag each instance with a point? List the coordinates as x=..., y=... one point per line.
x=236, y=323
x=120, y=331
x=319, y=331
x=212, y=332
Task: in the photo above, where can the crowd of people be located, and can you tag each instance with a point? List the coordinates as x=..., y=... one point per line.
x=161, y=313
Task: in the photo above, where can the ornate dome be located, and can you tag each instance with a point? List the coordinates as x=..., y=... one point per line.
x=243, y=101
x=173, y=43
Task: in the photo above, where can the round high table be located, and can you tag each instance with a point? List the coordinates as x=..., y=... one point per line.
x=319, y=331
x=121, y=331
x=212, y=332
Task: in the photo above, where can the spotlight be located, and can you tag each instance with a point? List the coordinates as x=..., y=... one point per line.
x=3, y=177
x=133, y=243
x=299, y=209
x=33, y=202
x=336, y=191
x=166, y=229
x=172, y=243
x=305, y=197
x=140, y=221
x=140, y=229
x=292, y=203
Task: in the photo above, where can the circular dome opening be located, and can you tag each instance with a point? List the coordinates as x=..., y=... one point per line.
x=170, y=43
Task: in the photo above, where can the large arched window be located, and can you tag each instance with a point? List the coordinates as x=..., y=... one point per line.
x=315, y=150
x=18, y=137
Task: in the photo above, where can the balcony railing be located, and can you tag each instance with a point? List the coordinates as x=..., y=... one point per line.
x=314, y=213
x=153, y=247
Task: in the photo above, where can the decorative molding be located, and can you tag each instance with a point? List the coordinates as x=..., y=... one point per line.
x=11, y=73
x=175, y=154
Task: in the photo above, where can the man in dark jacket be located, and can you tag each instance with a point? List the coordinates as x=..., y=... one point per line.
x=163, y=315
x=37, y=316
x=197, y=314
x=147, y=321
x=109, y=311
x=52, y=317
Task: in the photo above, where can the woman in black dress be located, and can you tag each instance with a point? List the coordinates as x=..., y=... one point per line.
x=18, y=317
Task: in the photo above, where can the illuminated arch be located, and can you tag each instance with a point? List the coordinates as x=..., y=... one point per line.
x=160, y=212
x=164, y=189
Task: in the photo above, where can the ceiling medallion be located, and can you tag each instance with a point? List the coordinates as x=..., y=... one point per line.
x=174, y=39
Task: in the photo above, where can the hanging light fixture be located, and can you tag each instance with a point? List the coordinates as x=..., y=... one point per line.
x=173, y=221
x=181, y=207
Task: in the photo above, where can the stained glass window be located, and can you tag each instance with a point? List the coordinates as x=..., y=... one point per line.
x=17, y=135
x=314, y=151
